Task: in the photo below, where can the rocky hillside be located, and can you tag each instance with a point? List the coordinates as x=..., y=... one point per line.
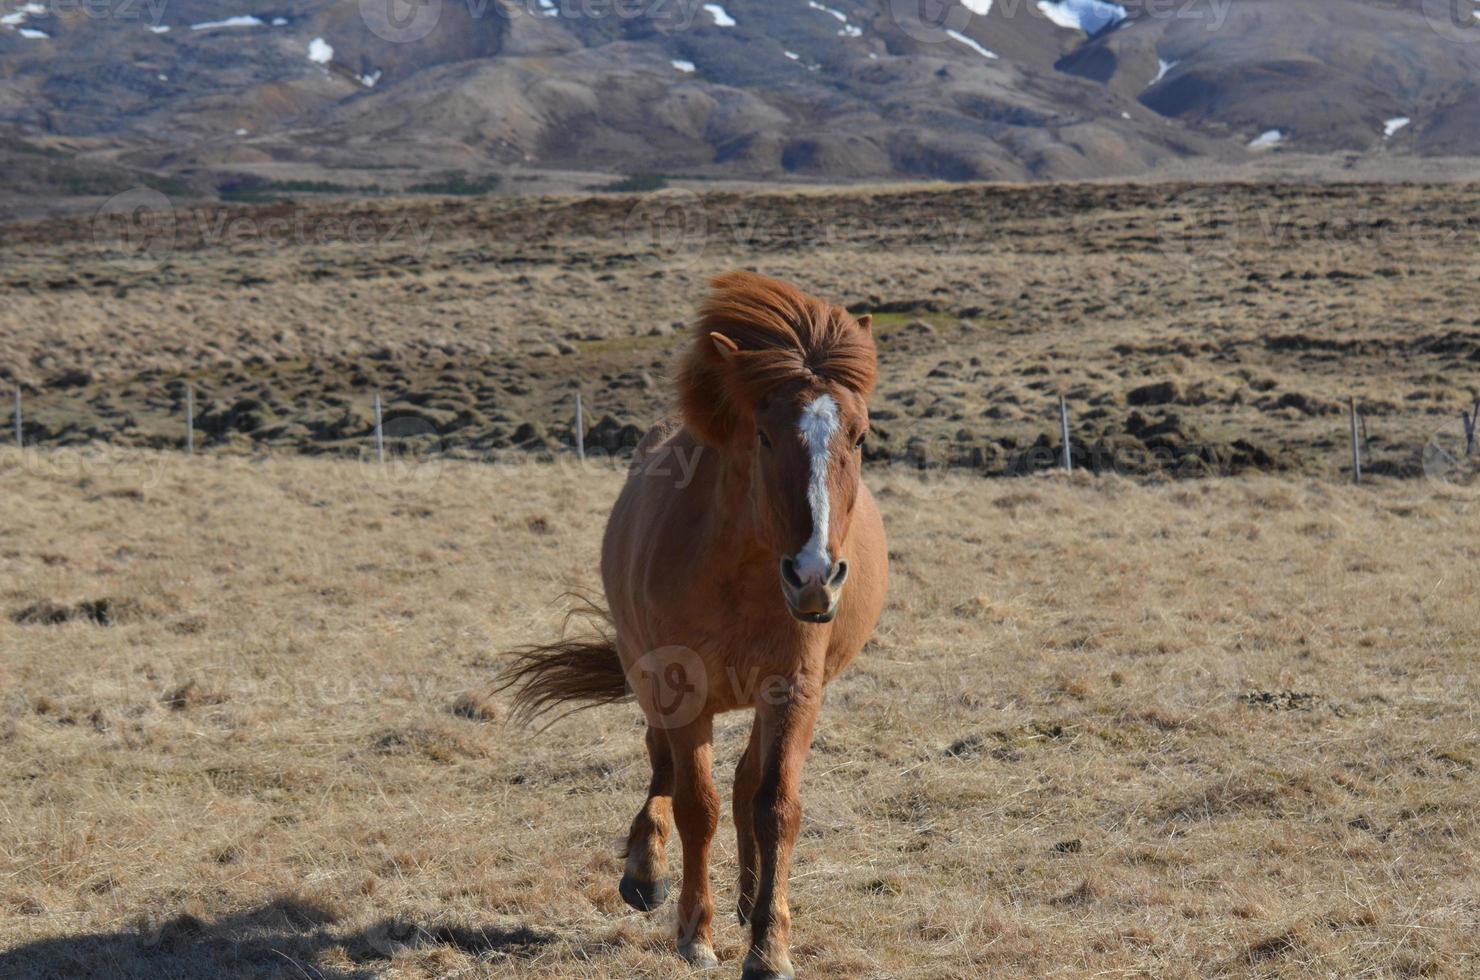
x=212, y=95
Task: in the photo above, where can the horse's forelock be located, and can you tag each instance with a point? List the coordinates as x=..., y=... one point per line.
x=784, y=337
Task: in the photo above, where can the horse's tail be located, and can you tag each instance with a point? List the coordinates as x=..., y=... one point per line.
x=584, y=670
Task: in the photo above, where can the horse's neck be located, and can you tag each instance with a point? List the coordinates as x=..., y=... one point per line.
x=729, y=511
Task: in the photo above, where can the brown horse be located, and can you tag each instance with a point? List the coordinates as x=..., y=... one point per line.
x=727, y=591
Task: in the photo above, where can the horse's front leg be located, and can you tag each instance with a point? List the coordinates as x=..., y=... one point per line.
x=696, y=812
x=785, y=735
x=747, y=781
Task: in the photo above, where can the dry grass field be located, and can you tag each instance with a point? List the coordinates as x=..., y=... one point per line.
x=1107, y=728
x=1120, y=725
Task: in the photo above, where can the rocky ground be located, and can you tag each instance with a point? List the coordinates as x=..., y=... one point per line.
x=1192, y=329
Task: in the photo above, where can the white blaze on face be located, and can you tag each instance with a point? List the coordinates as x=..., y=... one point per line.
x=818, y=425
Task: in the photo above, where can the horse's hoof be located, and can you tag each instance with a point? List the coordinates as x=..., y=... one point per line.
x=643, y=895
x=756, y=968
x=699, y=956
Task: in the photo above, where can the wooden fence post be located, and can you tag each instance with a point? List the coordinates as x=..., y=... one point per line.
x=1471, y=418
x=580, y=431
x=1064, y=434
x=1356, y=446
x=379, y=433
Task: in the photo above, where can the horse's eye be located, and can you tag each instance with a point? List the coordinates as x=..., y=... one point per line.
x=858, y=443
x=765, y=441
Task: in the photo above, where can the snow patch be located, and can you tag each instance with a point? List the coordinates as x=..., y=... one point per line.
x=549, y=9
x=279, y=22
x=719, y=15
x=32, y=33
x=162, y=78
x=687, y=67
x=240, y=20
x=979, y=7
x=963, y=39
x=159, y=28
x=1162, y=67
x=369, y=80
x=241, y=132
x=1089, y=16
x=320, y=52
x=792, y=55
x=828, y=10
x=19, y=14
x=1396, y=123
x=1267, y=139
x=848, y=30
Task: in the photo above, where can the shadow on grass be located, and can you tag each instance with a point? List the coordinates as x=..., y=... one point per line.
x=285, y=938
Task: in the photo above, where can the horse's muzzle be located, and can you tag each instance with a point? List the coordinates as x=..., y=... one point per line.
x=813, y=599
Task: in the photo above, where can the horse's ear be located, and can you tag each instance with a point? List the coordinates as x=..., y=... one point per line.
x=727, y=348
x=703, y=394
x=866, y=322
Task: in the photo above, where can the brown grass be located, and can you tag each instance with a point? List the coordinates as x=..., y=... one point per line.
x=284, y=762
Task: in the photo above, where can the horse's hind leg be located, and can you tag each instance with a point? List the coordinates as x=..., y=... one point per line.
x=645, y=877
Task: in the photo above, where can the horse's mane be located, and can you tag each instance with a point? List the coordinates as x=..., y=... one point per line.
x=783, y=336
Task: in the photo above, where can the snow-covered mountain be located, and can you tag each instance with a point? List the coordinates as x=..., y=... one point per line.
x=842, y=89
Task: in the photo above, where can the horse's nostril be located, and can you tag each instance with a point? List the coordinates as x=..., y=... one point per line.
x=839, y=575
x=789, y=573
